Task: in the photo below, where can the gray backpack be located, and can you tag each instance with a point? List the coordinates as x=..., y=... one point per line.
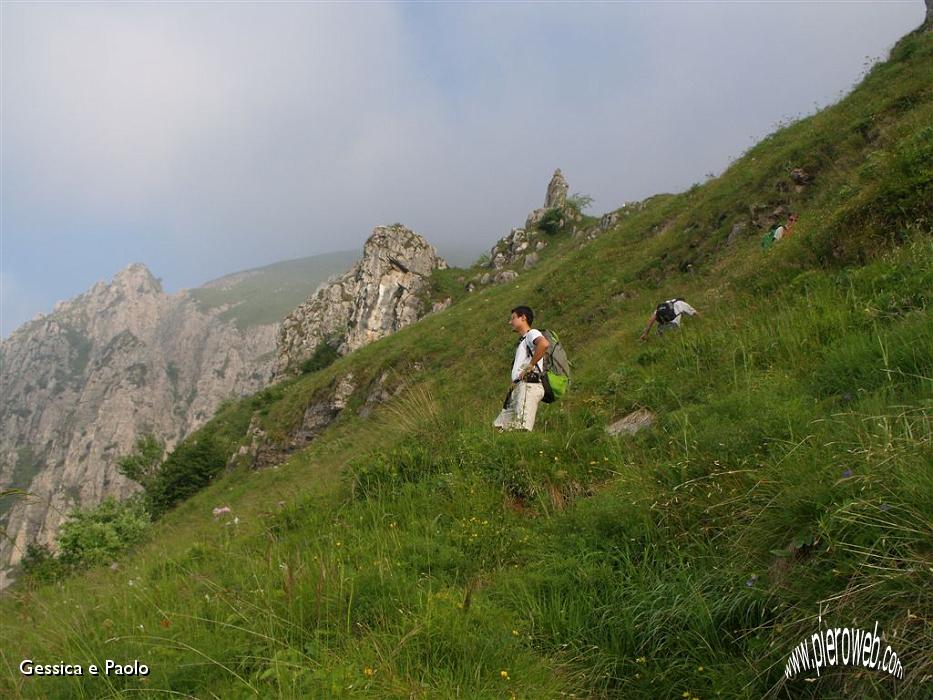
x=556, y=377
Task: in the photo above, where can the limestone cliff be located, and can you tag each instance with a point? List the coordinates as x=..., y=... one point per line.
x=83, y=382
x=376, y=297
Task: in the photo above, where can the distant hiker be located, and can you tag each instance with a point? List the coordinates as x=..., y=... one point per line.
x=779, y=232
x=667, y=314
x=526, y=389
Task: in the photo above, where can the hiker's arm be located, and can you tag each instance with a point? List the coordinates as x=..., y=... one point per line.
x=644, y=336
x=541, y=346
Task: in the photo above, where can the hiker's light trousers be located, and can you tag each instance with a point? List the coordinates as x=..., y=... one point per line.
x=522, y=408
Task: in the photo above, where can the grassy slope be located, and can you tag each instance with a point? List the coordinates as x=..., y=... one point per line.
x=418, y=554
x=271, y=292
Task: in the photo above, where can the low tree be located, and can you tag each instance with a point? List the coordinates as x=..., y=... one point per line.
x=143, y=464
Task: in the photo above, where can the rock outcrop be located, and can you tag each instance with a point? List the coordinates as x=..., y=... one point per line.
x=634, y=422
x=515, y=247
x=520, y=250
x=82, y=383
x=377, y=296
x=555, y=198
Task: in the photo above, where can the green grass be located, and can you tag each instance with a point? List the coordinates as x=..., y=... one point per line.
x=417, y=553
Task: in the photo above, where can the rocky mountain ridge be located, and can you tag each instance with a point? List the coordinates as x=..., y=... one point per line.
x=377, y=296
x=83, y=382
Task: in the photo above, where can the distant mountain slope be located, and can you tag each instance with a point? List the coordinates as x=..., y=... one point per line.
x=267, y=294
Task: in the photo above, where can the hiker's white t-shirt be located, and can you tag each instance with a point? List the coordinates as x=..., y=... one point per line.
x=524, y=351
x=778, y=233
x=681, y=307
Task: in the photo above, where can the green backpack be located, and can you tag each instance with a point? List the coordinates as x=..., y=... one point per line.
x=768, y=239
x=556, y=377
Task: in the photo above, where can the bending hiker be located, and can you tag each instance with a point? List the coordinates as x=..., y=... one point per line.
x=667, y=314
x=778, y=232
x=526, y=389
x=785, y=230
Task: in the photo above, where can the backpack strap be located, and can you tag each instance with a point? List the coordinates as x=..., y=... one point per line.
x=530, y=350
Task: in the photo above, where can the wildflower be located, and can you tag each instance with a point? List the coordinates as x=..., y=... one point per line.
x=368, y=671
x=700, y=669
x=751, y=581
x=685, y=694
x=847, y=473
x=515, y=633
x=165, y=623
x=504, y=674
x=220, y=510
x=641, y=660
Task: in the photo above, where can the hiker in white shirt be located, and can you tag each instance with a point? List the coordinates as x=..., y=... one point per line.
x=667, y=315
x=526, y=389
x=785, y=230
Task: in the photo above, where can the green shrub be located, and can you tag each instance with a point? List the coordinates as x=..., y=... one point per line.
x=41, y=565
x=551, y=221
x=323, y=356
x=96, y=535
x=89, y=537
x=187, y=470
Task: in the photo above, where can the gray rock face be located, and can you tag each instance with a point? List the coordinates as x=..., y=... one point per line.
x=505, y=276
x=512, y=248
x=556, y=191
x=556, y=198
x=642, y=419
x=737, y=229
x=607, y=221
x=82, y=383
x=317, y=417
x=376, y=297
x=322, y=413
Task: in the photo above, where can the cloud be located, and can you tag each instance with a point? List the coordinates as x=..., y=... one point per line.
x=203, y=138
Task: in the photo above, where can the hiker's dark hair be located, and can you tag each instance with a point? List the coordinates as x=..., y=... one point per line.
x=526, y=312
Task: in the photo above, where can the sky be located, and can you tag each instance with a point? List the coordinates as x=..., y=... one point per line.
x=209, y=137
